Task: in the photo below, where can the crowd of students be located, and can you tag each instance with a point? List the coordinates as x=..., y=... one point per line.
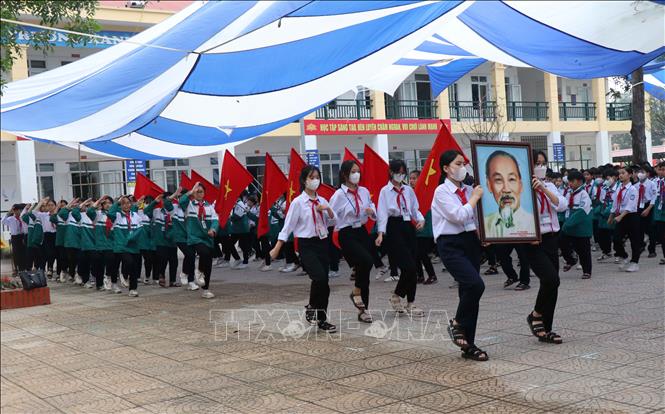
x=106, y=243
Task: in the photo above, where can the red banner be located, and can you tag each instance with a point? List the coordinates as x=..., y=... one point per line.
x=373, y=126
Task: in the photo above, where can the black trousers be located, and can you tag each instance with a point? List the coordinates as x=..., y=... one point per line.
x=101, y=261
x=333, y=252
x=357, y=251
x=595, y=230
x=460, y=254
x=255, y=244
x=290, y=253
x=49, y=249
x=659, y=234
x=376, y=252
x=647, y=229
x=167, y=255
x=113, y=267
x=544, y=261
x=62, y=264
x=425, y=246
x=400, y=239
x=605, y=240
x=131, y=268
x=503, y=252
x=229, y=248
x=85, y=259
x=630, y=226
x=149, y=264
x=72, y=259
x=581, y=246
x=315, y=261
x=265, y=246
x=490, y=252
x=35, y=258
x=189, y=260
x=244, y=242
x=18, y=252
x=205, y=262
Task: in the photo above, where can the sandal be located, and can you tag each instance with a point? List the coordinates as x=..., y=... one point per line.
x=474, y=353
x=162, y=282
x=421, y=279
x=365, y=317
x=457, y=335
x=586, y=276
x=357, y=301
x=568, y=266
x=536, y=325
x=551, y=338
x=491, y=271
x=430, y=280
x=522, y=286
x=509, y=282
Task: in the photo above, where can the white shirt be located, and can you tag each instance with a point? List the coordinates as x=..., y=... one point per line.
x=522, y=225
x=581, y=200
x=388, y=206
x=13, y=224
x=628, y=199
x=45, y=219
x=449, y=215
x=300, y=220
x=347, y=213
x=547, y=211
x=650, y=192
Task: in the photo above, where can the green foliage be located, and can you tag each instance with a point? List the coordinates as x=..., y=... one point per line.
x=75, y=15
x=657, y=115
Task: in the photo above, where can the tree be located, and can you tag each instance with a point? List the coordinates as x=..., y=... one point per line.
x=487, y=123
x=638, y=124
x=75, y=15
x=657, y=116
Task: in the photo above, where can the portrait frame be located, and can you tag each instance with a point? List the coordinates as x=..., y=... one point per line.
x=528, y=228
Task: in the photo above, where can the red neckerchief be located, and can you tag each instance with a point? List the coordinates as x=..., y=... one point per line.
x=167, y=220
x=461, y=195
x=641, y=193
x=357, y=199
x=619, y=199
x=202, y=211
x=598, y=192
x=315, y=203
x=400, y=195
x=128, y=215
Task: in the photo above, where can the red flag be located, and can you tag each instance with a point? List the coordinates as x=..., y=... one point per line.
x=375, y=175
x=185, y=182
x=212, y=192
x=429, y=177
x=326, y=191
x=145, y=187
x=275, y=184
x=296, y=165
x=348, y=155
x=234, y=179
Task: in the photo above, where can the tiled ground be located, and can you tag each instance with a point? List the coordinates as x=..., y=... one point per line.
x=247, y=351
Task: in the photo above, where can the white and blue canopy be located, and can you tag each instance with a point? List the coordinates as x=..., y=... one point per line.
x=219, y=73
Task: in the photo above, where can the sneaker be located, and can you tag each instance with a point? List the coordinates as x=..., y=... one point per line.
x=632, y=267
x=49, y=274
x=123, y=281
x=224, y=264
x=652, y=254
x=602, y=257
x=522, y=286
x=594, y=249
x=200, y=279
x=133, y=293
x=234, y=263
x=219, y=262
x=618, y=260
x=147, y=281
x=332, y=274
x=206, y=294
x=623, y=264
x=310, y=315
x=396, y=303
x=78, y=280
x=414, y=311
x=107, y=283
x=241, y=266
x=116, y=288
x=578, y=267
x=90, y=284
x=266, y=268
x=192, y=286
x=436, y=260
x=327, y=327
x=63, y=277
x=290, y=268
x=183, y=279
x=381, y=271
x=391, y=279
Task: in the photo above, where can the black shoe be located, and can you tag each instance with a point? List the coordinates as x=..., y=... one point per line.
x=652, y=254
x=522, y=286
x=491, y=271
x=509, y=282
x=310, y=315
x=327, y=327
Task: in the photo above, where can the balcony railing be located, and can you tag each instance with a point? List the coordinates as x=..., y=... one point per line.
x=406, y=109
x=580, y=111
x=480, y=110
x=346, y=109
x=619, y=111
x=527, y=111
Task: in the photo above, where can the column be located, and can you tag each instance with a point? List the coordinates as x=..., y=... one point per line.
x=598, y=90
x=20, y=65
x=444, y=104
x=380, y=145
x=378, y=105
x=603, y=154
x=26, y=171
x=499, y=92
x=552, y=98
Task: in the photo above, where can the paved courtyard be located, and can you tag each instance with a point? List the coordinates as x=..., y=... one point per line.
x=247, y=351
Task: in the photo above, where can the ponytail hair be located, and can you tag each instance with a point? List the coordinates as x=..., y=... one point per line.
x=445, y=160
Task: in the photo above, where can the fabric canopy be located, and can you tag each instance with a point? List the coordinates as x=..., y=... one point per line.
x=221, y=73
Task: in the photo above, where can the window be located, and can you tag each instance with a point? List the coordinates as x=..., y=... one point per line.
x=45, y=186
x=65, y=62
x=452, y=93
x=215, y=176
x=256, y=166
x=37, y=64
x=46, y=167
x=396, y=155
x=85, y=179
x=330, y=168
x=174, y=163
x=479, y=90
x=214, y=161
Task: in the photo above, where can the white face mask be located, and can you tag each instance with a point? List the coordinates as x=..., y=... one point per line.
x=313, y=184
x=641, y=176
x=565, y=179
x=459, y=174
x=398, y=177
x=354, y=178
x=599, y=181
x=540, y=171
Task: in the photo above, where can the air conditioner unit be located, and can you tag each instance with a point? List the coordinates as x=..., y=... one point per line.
x=136, y=4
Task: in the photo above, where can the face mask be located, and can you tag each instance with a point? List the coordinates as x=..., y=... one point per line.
x=641, y=176
x=459, y=174
x=607, y=183
x=354, y=178
x=540, y=171
x=565, y=180
x=312, y=185
x=398, y=177
x=599, y=181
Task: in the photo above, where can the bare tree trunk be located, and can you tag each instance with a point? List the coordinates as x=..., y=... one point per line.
x=638, y=127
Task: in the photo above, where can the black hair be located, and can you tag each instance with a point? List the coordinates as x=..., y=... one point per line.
x=501, y=153
x=629, y=170
x=203, y=187
x=575, y=175
x=166, y=194
x=661, y=164
x=253, y=198
x=556, y=175
x=536, y=153
x=593, y=171
x=305, y=172
x=445, y=159
x=148, y=199
x=417, y=172
x=345, y=171
x=395, y=166
x=610, y=172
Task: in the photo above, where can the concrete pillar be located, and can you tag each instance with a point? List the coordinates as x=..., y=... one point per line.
x=499, y=92
x=20, y=66
x=603, y=148
x=378, y=105
x=649, y=146
x=444, y=104
x=598, y=90
x=26, y=171
x=380, y=145
x=552, y=98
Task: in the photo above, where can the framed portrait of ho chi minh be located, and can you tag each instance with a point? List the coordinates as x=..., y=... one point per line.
x=507, y=212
